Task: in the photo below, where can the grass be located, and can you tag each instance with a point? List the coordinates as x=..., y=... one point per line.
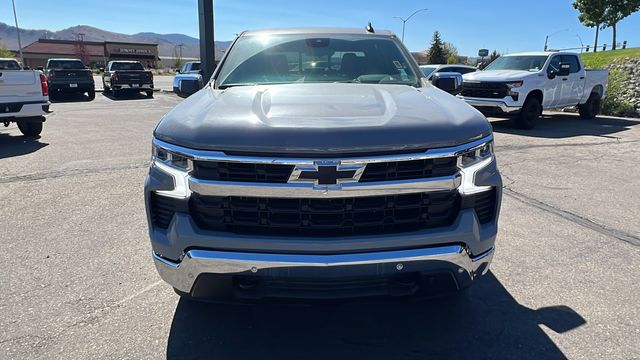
x=601, y=59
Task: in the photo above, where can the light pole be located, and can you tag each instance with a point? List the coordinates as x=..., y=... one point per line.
x=581, y=43
x=546, y=39
x=15, y=17
x=404, y=21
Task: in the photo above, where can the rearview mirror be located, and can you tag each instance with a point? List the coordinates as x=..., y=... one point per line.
x=450, y=82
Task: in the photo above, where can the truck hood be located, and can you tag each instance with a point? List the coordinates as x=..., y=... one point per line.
x=498, y=75
x=321, y=118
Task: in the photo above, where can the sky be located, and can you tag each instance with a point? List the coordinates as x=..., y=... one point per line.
x=507, y=26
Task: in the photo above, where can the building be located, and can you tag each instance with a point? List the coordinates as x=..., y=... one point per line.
x=94, y=54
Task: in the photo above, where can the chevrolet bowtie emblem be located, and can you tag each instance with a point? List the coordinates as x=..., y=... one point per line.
x=326, y=174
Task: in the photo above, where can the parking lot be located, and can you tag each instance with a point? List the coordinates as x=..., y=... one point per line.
x=78, y=280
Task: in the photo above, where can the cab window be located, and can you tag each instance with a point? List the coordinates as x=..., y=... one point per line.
x=573, y=61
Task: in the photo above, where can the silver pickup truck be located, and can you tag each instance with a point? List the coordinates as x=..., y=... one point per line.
x=320, y=163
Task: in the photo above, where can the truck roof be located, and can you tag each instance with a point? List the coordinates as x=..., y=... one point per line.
x=317, y=30
x=539, y=53
x=64, y=59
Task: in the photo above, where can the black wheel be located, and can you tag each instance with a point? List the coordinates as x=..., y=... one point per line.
x=149, y=93
x=591, y=108
x=30, y=128
x=92, y=94
x=529, y=114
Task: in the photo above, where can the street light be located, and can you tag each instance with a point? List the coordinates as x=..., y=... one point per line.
x=15, y=17
x=581, y=43
x=546, y=39
x=404, y=21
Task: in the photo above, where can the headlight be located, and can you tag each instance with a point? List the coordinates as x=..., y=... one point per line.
x=475, y=155
x=170, y=158
x=514, y=84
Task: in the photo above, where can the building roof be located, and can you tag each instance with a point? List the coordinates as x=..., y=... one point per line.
x=63, y=47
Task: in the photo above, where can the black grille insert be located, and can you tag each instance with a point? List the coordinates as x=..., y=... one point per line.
x=413, y=169
x=325, y=217
x=493, y=90
x=241, y=172
x=279, y=174
x=162, y=210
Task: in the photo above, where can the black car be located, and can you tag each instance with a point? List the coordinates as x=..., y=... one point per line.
x=69, y=76
x=121, y=76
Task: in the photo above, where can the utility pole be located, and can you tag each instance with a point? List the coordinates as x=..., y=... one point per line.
x=546, y=39
x=207, y=38
x=404, y=21
x=15, y=17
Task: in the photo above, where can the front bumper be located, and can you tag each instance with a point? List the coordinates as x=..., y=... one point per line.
x=454, y=260
x=492, y=105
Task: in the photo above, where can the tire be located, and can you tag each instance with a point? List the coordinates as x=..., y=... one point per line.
x=92, y=94
x=30, y=128
x=591, y=108
x=529, y=114
x=149, y=93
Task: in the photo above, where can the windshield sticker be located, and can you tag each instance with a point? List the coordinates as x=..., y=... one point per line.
x=397, y=64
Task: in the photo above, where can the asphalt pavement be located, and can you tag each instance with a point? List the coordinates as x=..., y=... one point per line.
x=78, y=281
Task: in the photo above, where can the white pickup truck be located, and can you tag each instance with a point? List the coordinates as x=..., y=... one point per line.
x=24, y=97
x=522, y=85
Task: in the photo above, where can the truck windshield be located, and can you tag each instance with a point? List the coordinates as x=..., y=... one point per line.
x=294, y=58
x=526, y=63
x=65, y=65
x=9, y=65
x=124, y=66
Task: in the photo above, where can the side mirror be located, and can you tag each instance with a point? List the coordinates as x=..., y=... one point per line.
x=565, y=69
x=101, y=69
x=450, y=82
x=40, y=68
x=188, y=87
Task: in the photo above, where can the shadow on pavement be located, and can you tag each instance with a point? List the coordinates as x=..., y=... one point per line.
x=484, y=323
x=11, y=146
x=568, y=125
x=126, y=96
x=69, y=98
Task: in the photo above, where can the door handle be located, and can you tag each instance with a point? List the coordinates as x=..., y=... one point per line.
x=564, y=79
x=581, y=77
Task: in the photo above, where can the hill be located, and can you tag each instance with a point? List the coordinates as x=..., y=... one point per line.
x=166, y=42
x=604, y=58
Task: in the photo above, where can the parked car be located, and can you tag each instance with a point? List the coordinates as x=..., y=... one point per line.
x=69, y=76
x=319, y=163
x=523, y=85
x=24, y=97
x=127, y=76
x=188, y=80
x=430, y=70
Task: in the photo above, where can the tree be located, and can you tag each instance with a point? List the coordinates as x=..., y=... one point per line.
x=450, y=50
x=452, y=59
x=617, y=10
x=592, y=14
x=436, y=52
x=5, y=53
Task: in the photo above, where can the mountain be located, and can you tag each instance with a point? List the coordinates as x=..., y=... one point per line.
x=167, y=43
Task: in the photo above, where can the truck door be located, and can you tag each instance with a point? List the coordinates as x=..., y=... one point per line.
x=552, y=96
x=573, y=87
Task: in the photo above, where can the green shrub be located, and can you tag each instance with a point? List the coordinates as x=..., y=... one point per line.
x=614, y=102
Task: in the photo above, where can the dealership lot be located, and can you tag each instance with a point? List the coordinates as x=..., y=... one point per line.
x=78, y=280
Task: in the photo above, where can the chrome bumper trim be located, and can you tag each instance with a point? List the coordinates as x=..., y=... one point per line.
x=491, y=103
x=206, y=155
x=182, y=275
x=308, y=190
